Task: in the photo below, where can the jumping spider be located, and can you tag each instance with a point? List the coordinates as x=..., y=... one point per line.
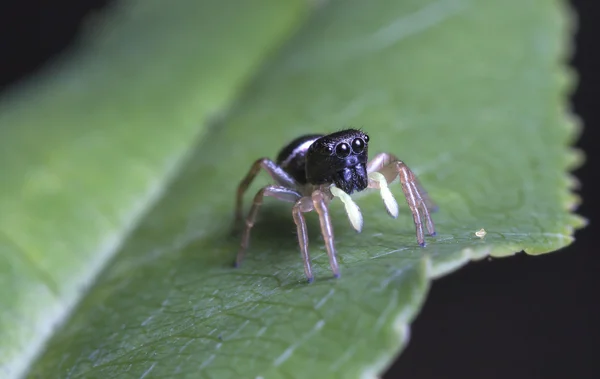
x=313, y=169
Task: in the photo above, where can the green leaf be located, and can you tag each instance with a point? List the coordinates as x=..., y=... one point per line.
x=470, y=94
x=88, y=146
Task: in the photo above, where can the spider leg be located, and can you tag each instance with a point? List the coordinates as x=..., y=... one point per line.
x=381, y=163
x=276, y=172
x=320, y=200
x=278, y=192
x=302, y=206
x=391, y=167
x=432, y=207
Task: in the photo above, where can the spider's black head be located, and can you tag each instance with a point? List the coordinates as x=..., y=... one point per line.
x=339, y=158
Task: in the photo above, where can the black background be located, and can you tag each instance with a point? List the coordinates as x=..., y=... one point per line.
x=519, y=317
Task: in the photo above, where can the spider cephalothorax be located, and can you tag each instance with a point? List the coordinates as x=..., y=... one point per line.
x=313, y=169
x=339, y=158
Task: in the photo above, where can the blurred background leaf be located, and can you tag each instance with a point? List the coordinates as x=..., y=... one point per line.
x=469, y=94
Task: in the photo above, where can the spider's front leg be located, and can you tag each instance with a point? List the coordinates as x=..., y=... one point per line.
x=277, y=173
x=302, y=206
x=418, y=201
x=320, y=200
x=278, y=192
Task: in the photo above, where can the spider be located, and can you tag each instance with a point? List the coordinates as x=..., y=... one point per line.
x=313, y=169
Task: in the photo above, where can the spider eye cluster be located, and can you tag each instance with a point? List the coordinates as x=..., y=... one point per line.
x=342, y=150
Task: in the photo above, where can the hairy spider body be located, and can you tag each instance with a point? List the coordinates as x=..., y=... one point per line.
x=313, y=169
x=292, y=158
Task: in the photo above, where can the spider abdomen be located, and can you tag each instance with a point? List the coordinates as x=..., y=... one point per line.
x=292, y=158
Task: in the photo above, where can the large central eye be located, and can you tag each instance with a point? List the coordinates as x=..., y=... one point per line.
x=342, y=150
x=358, y=145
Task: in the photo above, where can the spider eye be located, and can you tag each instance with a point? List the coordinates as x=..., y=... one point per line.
x=358, y=145
x=366, y=138
x=342, y=150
